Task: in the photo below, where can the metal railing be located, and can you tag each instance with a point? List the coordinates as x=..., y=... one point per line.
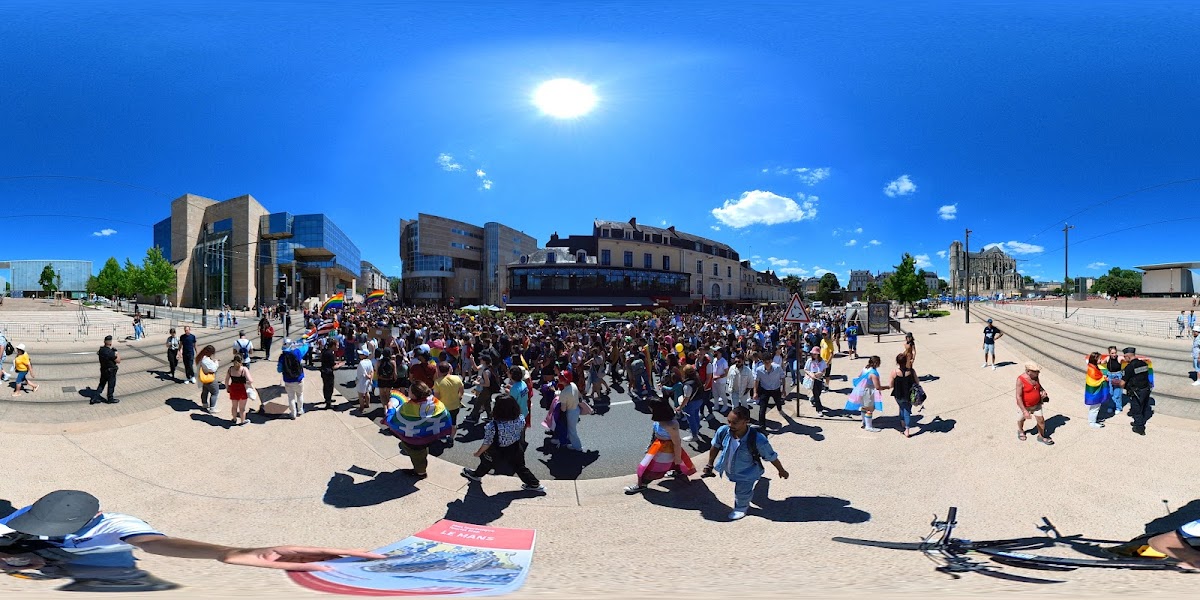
x=1160, y=328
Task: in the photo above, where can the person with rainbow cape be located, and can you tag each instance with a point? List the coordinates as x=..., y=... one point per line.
x=1096, y=389
x=418, y=422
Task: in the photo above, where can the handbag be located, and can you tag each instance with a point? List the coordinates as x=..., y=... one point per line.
x=206, y=377
x=807, y=383
x=585, y=408
x=917, y=395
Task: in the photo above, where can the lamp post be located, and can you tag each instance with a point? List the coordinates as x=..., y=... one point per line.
x=967, y=263
x=1066, y=271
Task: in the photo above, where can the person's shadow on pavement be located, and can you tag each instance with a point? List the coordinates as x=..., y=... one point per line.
x=803, y=509
x=568, y=464
x=478, y=508
x=342, y=492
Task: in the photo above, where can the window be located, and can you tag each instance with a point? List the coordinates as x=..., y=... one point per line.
x=729, y=271
x=645, y=237
x=628, y=258
x=551, y=258
x=699, y=267
x=716, y=269
x=628, y=235
x=647, y=261
x=729, y=289
x=666, y=263
x=604, y=233
x=605, y=257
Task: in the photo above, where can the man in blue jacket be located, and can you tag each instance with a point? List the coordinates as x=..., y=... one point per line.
x=293, y=375
x=739, y=458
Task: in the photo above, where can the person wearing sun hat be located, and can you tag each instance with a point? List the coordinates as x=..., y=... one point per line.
x=1030, y=397
x=72, y=521
x=24, y=371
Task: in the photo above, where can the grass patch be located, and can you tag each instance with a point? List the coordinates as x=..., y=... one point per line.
x=931, y=314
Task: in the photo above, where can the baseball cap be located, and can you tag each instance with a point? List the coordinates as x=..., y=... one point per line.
x=815, y=350
x=989, y=320
x=1130, y=350
x=1032, y=366
x=56, y=514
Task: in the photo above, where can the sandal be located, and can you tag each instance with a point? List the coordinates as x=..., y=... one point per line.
x=1045, y=440
x=1021, y=436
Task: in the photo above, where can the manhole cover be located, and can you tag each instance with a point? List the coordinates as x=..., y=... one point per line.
x=69, y=389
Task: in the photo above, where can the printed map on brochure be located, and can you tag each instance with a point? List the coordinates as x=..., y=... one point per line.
x=447, y=559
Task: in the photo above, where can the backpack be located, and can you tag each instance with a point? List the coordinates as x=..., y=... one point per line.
x=751, y=443
x=291, y=366
x=8, y=348
x=493, y=381
x=401, y=369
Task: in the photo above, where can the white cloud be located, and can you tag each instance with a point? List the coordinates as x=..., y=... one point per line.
x=948, y=212
x=901, y=186
x=851, y=242
x=755, y=257
x=797, y=271
x=479, y=173
x=766, y=208
x=841, y=263
x=447, y=162
x=486, y=184
x=811, y=176
x=714, y=228
x=1097, y=266
x=819, y=271
x=778, y=262
x=663, y=222
x=874, y=243
x=104, y=232
x=941, y=254
x=1016, y=247
x=766, y=170
x=922, y=261
x=858, y=230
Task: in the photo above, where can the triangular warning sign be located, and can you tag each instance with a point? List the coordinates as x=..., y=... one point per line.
x=796, y=313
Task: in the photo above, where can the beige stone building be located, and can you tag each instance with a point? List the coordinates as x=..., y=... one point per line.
x=444, y=259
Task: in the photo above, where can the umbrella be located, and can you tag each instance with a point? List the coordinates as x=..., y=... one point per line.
x=471, y=308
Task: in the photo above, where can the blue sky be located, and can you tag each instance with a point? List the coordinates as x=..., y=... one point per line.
x=814, y=136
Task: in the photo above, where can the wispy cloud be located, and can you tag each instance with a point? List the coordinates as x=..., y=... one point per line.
x=852, y=243
x=874, y=243
x=663, y=222
x=797, y=271
x=484, y=182
x=104, y=232
x=941, y=254
x=1097, y=266
x=1016, y=247
x=447, y=163
x=901, y=186
x=858, y=230
x=819, y=271
x=808, y=175
x=948, y=212
x=779, y=262
x=765, y=208
x=922, y=261
x=714, y=228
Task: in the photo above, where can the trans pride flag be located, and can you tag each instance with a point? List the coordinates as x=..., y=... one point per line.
x=335, y=302
x=375, y=296
x=417, y=423
x=1096, y=388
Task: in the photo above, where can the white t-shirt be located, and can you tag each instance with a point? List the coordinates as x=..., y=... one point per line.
x=105, y=533
x=1191, y=533
x=720, y=367
x=366, y=370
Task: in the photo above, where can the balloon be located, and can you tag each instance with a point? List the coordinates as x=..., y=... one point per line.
x=541, y=322
x=679, y=347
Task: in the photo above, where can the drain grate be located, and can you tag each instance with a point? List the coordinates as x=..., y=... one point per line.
x=70, y=389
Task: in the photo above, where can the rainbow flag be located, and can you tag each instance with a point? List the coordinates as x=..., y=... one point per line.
x=417, y=423
x=1149, y=373
x=1095, y=388
x=375, y=296
x=335, y=302
x=324, y=327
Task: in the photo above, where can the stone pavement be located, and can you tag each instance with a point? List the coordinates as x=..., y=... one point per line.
x=328, y=479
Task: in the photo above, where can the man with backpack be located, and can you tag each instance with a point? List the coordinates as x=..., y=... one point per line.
x=243, y=347
x=293, y=376
x=737, y=452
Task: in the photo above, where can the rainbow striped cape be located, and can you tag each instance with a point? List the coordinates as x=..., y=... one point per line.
x=375, y=296
x=1096, y=388
x=1149, y=367
x=418, y=423
x=335, y=302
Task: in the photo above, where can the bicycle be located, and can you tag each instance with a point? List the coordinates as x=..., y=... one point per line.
x=952, y=553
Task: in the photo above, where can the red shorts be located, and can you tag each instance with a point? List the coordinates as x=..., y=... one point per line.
x=237, y=391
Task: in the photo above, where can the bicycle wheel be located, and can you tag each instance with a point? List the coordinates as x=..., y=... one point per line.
x=1148, y=564
x=877, y=544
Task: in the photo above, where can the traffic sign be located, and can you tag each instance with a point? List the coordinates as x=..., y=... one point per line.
x=796, y=313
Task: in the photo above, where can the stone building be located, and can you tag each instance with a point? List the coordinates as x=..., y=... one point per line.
x=992, y=272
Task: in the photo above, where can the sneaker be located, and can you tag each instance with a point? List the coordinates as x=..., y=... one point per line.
x=292, y=415
x=1197, y=382
x=539, y=488
x=735, y=515
x=1096, y=425
x=469, y=475
x=686, y=438
x=874, y=429
x=634, y=489
x=985, y=365
x=993, y=367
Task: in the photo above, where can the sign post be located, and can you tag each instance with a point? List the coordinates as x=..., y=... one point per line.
x=796, y=313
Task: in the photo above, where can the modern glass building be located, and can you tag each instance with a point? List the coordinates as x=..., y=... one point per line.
x=72, y=276
x=238, y=253
x=444, y=261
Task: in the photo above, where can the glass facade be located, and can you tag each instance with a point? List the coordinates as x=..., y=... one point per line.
x=162, y=237
x=550, y=281
x=73, y=275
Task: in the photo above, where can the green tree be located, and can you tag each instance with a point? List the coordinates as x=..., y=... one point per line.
x=133, y=282
x=110, y=281
x=91, y=285
x=872, y=293
x=826, y=287
x=158, y=276
x=1119, y=282
x=793, y=284
x=905, y=285
x=943, y=286
x=1027, y=280
x=47, y=280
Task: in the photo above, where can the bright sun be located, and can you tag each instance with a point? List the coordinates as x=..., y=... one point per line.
x=564, y=98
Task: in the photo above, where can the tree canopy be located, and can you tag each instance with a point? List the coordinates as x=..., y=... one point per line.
x=905, y=285
x=1119, y=282
x=111, y=278
x=48, y=280
x=826, y=287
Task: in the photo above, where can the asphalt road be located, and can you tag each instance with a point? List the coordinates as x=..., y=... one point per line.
x=614, y=438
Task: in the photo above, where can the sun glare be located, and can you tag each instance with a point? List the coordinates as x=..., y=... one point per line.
x=565, y=98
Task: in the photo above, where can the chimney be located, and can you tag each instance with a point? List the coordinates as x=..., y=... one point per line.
x=671, y=229
x=633, y=221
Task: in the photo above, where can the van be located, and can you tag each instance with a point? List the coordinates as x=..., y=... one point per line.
x=817, y=305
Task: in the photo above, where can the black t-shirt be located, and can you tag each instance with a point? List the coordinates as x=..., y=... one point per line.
x=1137, y=375
x=189, y=344
x=108, y=358
x=1114, y=365
x=328, y=357
x=989, y=334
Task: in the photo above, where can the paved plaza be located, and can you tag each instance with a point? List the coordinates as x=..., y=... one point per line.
x=331, y=478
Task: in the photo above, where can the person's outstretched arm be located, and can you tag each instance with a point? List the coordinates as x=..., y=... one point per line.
x=292, y=558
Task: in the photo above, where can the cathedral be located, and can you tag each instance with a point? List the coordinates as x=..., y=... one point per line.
x=992, y=272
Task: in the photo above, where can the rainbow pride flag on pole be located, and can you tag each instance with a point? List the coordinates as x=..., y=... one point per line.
x=375, y=296
x=335, y=302
x=1096, y=387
